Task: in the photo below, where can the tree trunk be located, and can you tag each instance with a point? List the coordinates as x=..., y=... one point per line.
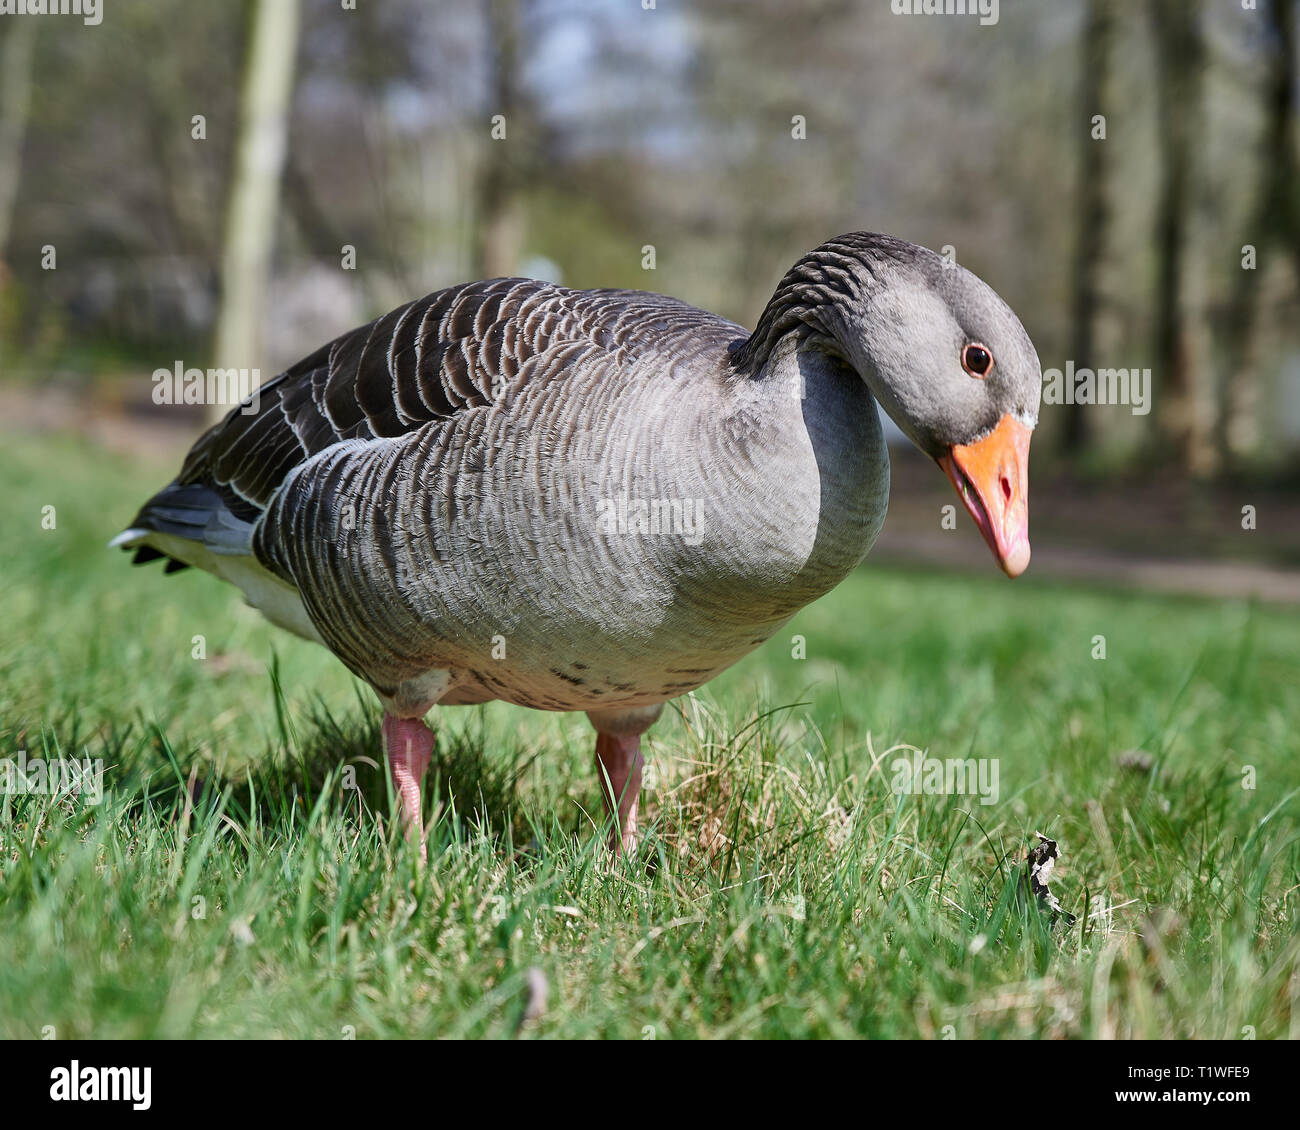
x=255, y=191
x=1180, y=57
x=500, y=224
x=1276, y=212
x=15, y=102
x=1092, y=211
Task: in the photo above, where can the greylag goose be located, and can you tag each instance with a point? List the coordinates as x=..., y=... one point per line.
x=597, y=500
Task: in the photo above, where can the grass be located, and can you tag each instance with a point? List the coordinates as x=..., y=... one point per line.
x=240, y=877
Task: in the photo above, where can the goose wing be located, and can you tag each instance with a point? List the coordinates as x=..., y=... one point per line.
x=426, y=362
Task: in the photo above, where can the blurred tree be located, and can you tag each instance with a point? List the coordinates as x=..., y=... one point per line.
x=672, y=128
x=781, y=153
x=15, y=101
x=1180, y=63
x=1273, y=219
x=499, y=220
x=1092, y=209
x=255, y=191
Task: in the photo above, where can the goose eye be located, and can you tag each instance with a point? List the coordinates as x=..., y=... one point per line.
x=977, y=360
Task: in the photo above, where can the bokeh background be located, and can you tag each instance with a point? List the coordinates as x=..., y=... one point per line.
x=233, y=184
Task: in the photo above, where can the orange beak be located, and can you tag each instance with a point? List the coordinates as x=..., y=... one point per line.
x=992, y=477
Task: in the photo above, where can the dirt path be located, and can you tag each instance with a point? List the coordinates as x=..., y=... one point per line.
x=1195, y=577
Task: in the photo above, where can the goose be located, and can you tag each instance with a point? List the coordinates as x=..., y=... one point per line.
x=597, y=500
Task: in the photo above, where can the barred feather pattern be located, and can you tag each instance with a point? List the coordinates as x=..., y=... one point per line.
x=442, y=488
x=812, y=297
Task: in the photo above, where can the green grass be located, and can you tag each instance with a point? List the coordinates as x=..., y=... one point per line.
x=240, y=877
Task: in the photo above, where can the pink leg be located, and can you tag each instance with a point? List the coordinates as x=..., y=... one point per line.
x=619, y=763
x=408, y=742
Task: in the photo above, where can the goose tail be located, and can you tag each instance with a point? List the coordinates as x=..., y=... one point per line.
x=183, y=523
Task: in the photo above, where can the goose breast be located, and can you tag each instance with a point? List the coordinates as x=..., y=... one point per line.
x=610, y=536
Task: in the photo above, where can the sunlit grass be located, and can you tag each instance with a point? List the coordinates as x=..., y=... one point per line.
x=240, y=877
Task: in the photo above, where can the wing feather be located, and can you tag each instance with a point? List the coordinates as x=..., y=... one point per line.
x=425, y=363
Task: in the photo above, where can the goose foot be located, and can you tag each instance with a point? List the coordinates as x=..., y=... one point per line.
x=619, y=763
x=408, y=744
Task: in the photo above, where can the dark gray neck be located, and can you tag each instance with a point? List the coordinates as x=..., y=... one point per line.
x=813, y=299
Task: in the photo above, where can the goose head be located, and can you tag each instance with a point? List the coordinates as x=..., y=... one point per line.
x=946, y=358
